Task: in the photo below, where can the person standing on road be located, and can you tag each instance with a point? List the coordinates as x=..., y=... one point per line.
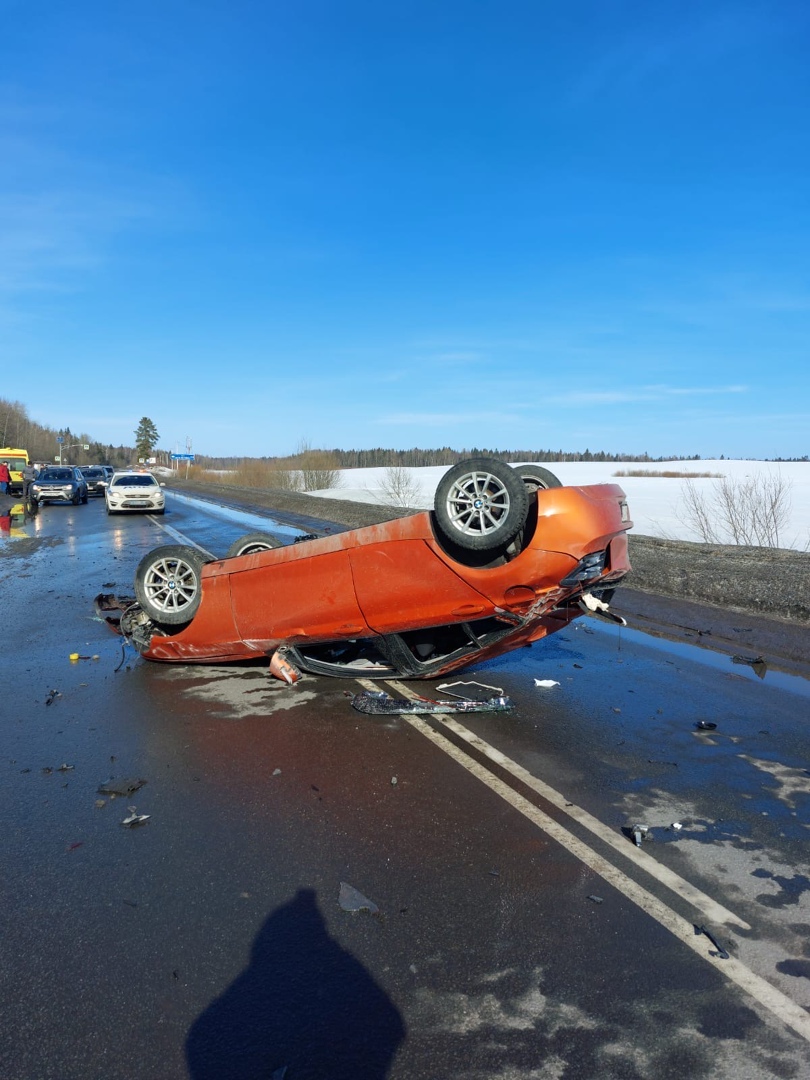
x=29, y=475
x=5, y=477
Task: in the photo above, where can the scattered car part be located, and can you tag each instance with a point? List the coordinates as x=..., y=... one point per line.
x=379, y=703
x=721, y=953
x=350, y=899
x=134, y=819
x=640, y=834
x=473, y=691
x=593, y=605
x=546, y=683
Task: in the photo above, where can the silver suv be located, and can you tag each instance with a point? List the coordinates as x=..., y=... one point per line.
x=59, y=483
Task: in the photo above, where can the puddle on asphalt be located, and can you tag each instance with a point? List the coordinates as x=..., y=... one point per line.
x=242, y=517
x=17, y=523
x=721, y=662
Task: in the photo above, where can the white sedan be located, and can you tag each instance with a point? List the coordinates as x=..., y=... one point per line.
x=134, y=491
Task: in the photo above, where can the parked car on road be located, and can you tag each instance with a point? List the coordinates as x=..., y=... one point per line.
x=59, y=483
x=506, y=557
x=134, y=491
x=95, y=478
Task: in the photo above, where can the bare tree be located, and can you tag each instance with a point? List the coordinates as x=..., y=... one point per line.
x=753, y=511
x=399, y=487
x=319, y=468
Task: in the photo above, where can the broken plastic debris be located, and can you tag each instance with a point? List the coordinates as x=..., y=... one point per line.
x=546, y=683
x=640, y=833
x=52, y=696
x=134, y=819
x=592, y=605
x=65, y=767
x=283, y=668
x=380, y=703
x=351, y=900
x=721, y=953
x=394, y=781
x=706, y=725
x=596, y=899
x=676, y=825
x=120, y=787
x=79, y=656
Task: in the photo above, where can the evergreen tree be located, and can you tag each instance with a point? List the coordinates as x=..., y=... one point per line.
x=146, y=437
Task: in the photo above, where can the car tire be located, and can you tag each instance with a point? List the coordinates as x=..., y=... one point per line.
x=480, y=504
x=251, y=543
x=110, y=512
x=85, y=498
x=168, y=583
x=535, y=477
x=76, y=499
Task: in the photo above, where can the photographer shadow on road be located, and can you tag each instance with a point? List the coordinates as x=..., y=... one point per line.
x=303, y=1005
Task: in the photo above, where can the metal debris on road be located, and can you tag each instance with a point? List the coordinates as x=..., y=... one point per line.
x=134, y=819
x=721, y=953
x=120, y=787
x=351, y=900
x=473, y=691
x=640, y=833
x=382, y=704
x=546, y=683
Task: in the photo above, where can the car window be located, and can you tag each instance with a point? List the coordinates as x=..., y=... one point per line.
x=58, y=474
x=135, y=480
x=93, y=474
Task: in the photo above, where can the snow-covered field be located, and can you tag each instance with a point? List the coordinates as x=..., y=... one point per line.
x=657, y=504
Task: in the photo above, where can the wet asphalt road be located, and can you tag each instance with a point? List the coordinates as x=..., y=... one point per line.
x=520, y=933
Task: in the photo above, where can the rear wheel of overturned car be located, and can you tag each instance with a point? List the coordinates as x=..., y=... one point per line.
x=480, y=504
x=251, y=543
x=535, y=477
x=168, y=583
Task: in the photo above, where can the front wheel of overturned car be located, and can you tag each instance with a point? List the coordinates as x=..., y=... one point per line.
x=535, y=477
x=251, y=543
x=481, y=504
x=168, y=583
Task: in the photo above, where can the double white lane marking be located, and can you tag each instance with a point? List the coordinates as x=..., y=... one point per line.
x=772, y=999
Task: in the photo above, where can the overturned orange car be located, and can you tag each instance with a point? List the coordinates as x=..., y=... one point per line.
x=506, y=557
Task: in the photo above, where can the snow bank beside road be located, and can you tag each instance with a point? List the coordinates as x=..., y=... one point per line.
x=656, y=503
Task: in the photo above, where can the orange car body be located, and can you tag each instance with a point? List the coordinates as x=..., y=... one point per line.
x=393, y=597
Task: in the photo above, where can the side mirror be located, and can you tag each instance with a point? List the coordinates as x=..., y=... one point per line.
x=162, y=484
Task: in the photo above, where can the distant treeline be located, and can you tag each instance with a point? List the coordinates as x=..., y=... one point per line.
x=417, y=458
x=18, y=430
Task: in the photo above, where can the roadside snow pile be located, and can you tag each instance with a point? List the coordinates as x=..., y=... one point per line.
x=657, y=503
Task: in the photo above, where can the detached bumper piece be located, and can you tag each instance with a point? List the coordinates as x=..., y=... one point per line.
x=382, y=704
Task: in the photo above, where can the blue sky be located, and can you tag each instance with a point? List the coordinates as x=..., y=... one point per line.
x=513, y=225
